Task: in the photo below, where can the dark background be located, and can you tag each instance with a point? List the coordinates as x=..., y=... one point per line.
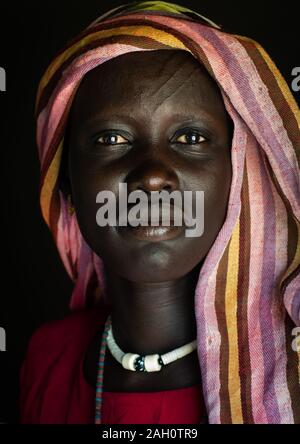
x=34, y=285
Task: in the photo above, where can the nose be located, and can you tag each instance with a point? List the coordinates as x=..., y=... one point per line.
x=153, y=176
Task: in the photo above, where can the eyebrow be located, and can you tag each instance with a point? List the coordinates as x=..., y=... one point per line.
x=125, y=118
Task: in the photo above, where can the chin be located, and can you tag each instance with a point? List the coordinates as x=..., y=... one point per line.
x=156, y=263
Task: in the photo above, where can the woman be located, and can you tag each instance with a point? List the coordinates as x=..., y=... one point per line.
x=156, y=97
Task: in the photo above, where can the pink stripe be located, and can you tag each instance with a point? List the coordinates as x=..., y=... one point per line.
x=255, y=268
x=62, y=239
x=267, y=294
x=280, y=375
x=209, y=341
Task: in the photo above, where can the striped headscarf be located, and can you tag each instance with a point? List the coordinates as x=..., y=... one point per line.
x=247, y=299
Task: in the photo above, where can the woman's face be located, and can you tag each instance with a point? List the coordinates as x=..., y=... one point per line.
x=155, y=121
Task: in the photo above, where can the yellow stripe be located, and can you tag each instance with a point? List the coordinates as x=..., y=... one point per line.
x=278, y=77
x=140, y=31
x=49, y=183
x=232, y=328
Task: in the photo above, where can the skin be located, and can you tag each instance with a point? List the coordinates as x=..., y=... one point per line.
x=164, y=96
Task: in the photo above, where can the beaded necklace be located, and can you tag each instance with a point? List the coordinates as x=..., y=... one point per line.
x=100, y=374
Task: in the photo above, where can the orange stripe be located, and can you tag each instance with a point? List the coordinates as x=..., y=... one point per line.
x=49, y=183
x=234, y=383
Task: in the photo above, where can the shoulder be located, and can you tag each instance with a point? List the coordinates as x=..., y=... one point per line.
x=69, y=334
x=80, y=323
x=52, y=362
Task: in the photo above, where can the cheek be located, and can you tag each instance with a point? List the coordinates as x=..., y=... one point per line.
x=86, y=184
x=215, y=183
x=216, y=191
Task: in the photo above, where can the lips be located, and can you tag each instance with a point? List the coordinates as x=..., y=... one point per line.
x=153, y=234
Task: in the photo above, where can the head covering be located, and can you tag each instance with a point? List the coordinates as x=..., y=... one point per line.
x=247, y=299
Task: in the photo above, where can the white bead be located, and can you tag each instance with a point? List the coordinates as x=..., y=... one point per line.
x=179, y=352
x=128, y=361
x=152, y=364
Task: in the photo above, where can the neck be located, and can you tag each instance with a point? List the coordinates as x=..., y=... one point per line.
x=152, y=317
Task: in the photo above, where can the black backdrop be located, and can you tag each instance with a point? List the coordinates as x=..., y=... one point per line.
x=34, y=285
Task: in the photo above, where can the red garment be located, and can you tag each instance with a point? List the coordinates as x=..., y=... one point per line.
x=53, y=389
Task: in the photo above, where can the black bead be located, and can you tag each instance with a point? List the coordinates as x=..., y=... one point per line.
x=139, y=364
x=160, y=361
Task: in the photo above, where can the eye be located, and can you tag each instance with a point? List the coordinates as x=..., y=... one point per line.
x=111, y=139
x=190, y=138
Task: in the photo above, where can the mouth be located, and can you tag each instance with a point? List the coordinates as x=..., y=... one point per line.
x=158, y=228
x=150, y=233
x=153, y=234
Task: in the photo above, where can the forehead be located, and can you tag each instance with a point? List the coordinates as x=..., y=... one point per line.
x=148, y=79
